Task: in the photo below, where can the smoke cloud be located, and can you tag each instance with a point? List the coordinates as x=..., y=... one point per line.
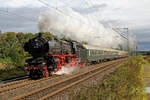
x=79, y=27
x=67, y=70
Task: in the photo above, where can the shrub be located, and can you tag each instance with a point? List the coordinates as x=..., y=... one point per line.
x=125, y=84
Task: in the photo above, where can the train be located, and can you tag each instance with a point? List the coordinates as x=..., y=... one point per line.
x=49, y=55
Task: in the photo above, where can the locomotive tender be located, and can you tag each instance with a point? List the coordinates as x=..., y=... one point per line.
x=50, y=54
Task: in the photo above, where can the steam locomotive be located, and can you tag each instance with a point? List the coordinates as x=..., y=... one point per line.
x=50, y=54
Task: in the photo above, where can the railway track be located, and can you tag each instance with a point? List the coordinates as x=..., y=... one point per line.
x=12, y=83
x=22, y=83
x=57, y=87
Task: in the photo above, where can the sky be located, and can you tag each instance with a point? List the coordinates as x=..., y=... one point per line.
x=22, y=15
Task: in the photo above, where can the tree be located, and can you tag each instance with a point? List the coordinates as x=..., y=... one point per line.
x=28, y=36
x=47, y=34
x=4, y=46
x=21, y=37
x=10, y=47
x=148, y=53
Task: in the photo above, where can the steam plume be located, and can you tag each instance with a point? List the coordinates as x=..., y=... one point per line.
x=78, y=27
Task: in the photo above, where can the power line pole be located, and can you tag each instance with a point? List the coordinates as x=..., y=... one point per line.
x=128, y=43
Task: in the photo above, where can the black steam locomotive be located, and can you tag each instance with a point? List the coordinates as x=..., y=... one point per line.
x=50, y=54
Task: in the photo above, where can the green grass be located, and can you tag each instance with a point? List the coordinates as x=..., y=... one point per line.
x=8, y=60
x=9, y=70
x=124, y=84
x=12, y=73
x=6, y=64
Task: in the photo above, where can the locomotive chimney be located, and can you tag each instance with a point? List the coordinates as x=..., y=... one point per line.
x=40, y=34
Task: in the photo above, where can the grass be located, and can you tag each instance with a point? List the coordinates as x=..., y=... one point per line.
x=6, y=64
x=8, y=60
x=147, y=58
x=13, y=73
x=8, y=70
x=126, y=83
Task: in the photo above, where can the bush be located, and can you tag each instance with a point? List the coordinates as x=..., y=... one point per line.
x=17, y=58
x=125, y=84
x=8, y=60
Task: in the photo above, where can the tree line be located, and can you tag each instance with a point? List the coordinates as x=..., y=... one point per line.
x=11, y=46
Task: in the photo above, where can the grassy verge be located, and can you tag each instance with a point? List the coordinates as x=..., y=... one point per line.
x=125, y=84
x=9, y=70
x=6, y=64
x=12, y=73
x=8, y=60
x=147, y=58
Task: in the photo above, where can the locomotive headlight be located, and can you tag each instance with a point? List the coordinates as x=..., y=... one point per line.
x=43, y=63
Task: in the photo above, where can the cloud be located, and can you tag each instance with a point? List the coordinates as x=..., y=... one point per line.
x=142, y=35
x=92, y=9
x=144, y=46
x=20, y=3
x=23, y=19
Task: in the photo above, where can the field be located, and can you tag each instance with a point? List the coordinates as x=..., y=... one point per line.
x=126, y=83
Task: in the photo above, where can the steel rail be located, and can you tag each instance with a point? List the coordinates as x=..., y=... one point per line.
x=25, y=84
x=12, y=83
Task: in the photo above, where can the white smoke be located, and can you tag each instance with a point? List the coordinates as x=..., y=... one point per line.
x=81, y=28
x=78, y=27
x=67, y=70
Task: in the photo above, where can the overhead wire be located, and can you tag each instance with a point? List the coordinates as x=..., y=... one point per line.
x=47, y=5
x=77, y=18
x=116, y=30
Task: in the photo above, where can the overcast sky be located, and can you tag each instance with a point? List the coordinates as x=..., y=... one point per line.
x=22, y=15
